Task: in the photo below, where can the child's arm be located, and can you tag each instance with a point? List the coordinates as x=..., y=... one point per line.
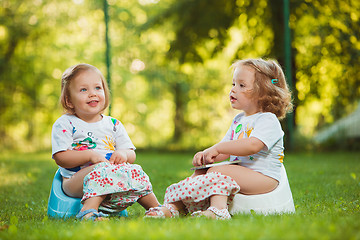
x=73, y=158
x=122, y=156
x=239, y=147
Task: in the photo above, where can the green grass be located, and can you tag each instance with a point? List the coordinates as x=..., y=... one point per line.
x=325, y=187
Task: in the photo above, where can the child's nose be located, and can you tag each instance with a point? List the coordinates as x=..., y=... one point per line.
x=92, y=93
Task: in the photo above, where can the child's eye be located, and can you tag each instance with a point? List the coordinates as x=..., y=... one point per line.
x=233, y=84
x=242, y=85
x=98, y=88
x=83, y=90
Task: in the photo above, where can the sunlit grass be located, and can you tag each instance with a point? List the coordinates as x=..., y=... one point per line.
x=325, y=187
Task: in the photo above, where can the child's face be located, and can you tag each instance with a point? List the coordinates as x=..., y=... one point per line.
x=241, y=97
x=87, y=96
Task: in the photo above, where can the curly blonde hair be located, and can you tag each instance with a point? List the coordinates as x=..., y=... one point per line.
x=69, y=75
x=270, y=87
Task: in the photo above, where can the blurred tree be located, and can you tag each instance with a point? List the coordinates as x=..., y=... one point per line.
x=171, y=82
x=330, y=54
x=20, y=30
x=35, y=49
x=326, y=37
x=198, y=22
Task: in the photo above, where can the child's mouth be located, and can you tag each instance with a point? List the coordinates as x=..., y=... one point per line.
x=232, y=99
x=93, y=103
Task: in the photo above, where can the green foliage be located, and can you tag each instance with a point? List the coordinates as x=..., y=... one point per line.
x=195, y=23
x=325, y=189
x=327, y=48
x=170, y=63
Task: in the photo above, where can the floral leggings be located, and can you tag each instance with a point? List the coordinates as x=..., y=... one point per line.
x=123, y=184
x=194, y=192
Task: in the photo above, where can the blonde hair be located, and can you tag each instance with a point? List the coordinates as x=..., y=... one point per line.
x=270, y=87
x=69, y=75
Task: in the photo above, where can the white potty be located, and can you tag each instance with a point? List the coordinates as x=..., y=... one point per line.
x=278, y=201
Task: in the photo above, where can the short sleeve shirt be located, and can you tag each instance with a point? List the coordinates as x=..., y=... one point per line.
x=105, y=136
x=265, y=127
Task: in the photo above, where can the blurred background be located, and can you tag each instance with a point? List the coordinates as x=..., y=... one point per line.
x=167, y=62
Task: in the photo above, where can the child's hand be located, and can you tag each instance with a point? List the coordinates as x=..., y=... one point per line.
x=210, y=154
x=118, y=157
x=198, y=159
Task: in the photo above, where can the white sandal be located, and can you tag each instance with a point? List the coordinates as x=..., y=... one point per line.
x=222, y=214
x=160, y=214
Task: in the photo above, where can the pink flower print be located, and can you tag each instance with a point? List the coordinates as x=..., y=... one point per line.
x=83, y=147
x=120, y=184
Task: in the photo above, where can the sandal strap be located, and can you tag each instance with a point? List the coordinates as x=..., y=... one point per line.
x=159, y=213
x=196, y=214
x=100, y=214
x=222, y=214
x=173, y=211
x=95, y=213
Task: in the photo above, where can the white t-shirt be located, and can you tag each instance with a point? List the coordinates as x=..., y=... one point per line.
x=105, y=136
x=265, y=127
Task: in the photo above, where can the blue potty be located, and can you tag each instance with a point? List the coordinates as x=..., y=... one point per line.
x=62, y=206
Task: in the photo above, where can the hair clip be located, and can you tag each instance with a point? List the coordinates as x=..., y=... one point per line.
x=274, y=81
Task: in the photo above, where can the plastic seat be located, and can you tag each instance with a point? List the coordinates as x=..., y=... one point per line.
x=62, y=206
x=278, y=201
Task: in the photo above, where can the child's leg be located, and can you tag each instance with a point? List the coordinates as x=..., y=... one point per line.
x=148, y=201
x=92, y=203
x=73, y=186
x=219, y=202
x=250, y=182
x=199, y=172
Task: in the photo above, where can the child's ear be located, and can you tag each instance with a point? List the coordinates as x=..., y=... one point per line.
x=68, y=102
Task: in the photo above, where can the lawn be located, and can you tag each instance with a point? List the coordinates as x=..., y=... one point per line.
x=325, y=187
